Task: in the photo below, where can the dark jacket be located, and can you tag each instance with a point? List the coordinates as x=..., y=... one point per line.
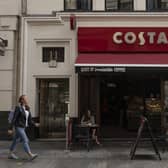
x=19, y=118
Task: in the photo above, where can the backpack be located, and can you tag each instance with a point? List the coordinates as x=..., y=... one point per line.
x=10, y=116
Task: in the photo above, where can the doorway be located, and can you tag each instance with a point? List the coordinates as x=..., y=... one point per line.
x=53, y=94
x=113, y=105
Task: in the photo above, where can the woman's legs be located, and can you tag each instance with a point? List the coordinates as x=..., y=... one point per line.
x=94, y=136
x=20, y=136
x=12, y=148
x=25, y=141
x=14, y=142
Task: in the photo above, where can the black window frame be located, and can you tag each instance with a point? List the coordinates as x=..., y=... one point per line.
x=80, y=10
x=60, y=54
x=118, y=9
x=154, y=8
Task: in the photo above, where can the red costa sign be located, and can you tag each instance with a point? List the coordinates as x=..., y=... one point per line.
x=103, y=39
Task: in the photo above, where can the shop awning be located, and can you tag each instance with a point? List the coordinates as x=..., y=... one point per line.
x=122, y=60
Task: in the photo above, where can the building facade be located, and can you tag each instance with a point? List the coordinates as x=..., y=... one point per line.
x=109, y=56
x=10, y=13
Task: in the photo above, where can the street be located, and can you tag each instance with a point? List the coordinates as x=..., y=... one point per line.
x=111, y=154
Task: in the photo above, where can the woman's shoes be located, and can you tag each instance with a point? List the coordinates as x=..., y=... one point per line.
x=13, y=156
x=33, y=156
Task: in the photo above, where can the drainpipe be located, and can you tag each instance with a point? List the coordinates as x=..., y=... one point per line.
x=17, y=54
x=16, y=63
x=24, y=8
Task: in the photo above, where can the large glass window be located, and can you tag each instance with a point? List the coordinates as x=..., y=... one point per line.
x=119, y=5
x=83, y=5
x=157, y=5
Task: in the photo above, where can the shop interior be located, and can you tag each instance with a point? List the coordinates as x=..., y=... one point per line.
x=118, y=101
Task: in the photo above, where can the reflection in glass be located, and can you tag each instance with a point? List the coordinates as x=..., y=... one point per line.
x=78, y=4
x=122, y=5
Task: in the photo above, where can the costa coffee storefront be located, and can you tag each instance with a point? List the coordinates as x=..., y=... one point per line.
x=123, y=73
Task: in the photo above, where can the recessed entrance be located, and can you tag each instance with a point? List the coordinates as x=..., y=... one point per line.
x=52, y=98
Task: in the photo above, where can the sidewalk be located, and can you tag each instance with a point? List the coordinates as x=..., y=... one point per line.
x=110, y=155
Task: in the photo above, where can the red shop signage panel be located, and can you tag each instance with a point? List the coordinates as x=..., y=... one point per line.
x=128, y=39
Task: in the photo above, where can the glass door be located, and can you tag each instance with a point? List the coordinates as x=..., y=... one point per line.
x=53, y=96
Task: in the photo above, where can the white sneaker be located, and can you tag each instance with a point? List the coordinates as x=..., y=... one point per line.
x=13, y=156
x=33, y=156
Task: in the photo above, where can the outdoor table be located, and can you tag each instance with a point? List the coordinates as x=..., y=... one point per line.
x=88, y=127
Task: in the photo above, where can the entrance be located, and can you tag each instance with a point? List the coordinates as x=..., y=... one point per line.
x=113, y=106
x=52, y=98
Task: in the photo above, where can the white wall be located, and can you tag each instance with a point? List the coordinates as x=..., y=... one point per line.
x=139, y=5
x=6, y=100
x=44, y=6
x=6, y=83
x=8, y=23
x=8, y=27
x=6, y=62
x=98, y=5
x=10, y=7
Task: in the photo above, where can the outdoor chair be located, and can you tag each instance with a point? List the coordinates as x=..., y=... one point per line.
x=80, y=135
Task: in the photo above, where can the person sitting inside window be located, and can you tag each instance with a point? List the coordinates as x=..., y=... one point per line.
x=90, y=120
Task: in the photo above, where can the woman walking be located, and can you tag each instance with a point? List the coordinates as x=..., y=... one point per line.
x=21, y=119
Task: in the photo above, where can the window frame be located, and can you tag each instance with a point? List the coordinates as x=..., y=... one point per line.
x=155, y=9
x=79, y=10
x=46, y=59
x=119, y=10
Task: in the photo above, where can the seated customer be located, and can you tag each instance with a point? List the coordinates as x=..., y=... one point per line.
x=89, y=119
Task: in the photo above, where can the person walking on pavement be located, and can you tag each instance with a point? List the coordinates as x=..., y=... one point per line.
x=21, y=119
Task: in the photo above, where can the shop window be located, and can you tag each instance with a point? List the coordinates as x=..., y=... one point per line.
x=53, y=53
x=157, y=5
x=81, y=5
x=119, y=5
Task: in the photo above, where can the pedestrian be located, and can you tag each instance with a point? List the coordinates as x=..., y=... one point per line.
x=21, y=119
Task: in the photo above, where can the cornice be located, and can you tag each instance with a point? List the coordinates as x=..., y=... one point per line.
x=60, y=17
